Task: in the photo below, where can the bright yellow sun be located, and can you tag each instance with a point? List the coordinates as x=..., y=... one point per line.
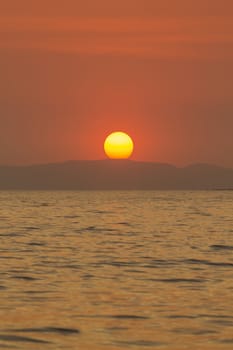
x=118, y=145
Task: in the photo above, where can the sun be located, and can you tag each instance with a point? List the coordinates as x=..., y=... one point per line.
x=118, y=145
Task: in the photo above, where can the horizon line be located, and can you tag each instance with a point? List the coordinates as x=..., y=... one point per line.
x=116, y=160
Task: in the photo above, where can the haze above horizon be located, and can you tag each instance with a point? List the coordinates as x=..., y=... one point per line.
x=71, y=73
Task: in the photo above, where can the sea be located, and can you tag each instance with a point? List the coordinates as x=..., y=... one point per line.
x=116, y=270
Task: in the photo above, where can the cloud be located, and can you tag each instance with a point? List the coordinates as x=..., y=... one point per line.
x=167, y=37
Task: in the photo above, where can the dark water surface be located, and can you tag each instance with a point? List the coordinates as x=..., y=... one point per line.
x=116, y=270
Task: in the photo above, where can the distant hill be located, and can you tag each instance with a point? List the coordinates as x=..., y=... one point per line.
x=114, y=175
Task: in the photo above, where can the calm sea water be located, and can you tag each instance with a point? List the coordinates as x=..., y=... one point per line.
x=116, y=270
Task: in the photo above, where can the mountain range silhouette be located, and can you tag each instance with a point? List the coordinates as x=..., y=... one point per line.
x=115, y=175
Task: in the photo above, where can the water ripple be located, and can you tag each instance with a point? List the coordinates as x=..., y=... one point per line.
x=16, y=338
x=60, y=330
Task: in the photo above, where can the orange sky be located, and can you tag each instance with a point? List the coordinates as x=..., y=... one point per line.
x=71, y=72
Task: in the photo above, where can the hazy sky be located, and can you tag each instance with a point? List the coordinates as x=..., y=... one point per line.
x=73, y=71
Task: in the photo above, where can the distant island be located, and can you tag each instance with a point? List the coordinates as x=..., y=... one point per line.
x=115, y=175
